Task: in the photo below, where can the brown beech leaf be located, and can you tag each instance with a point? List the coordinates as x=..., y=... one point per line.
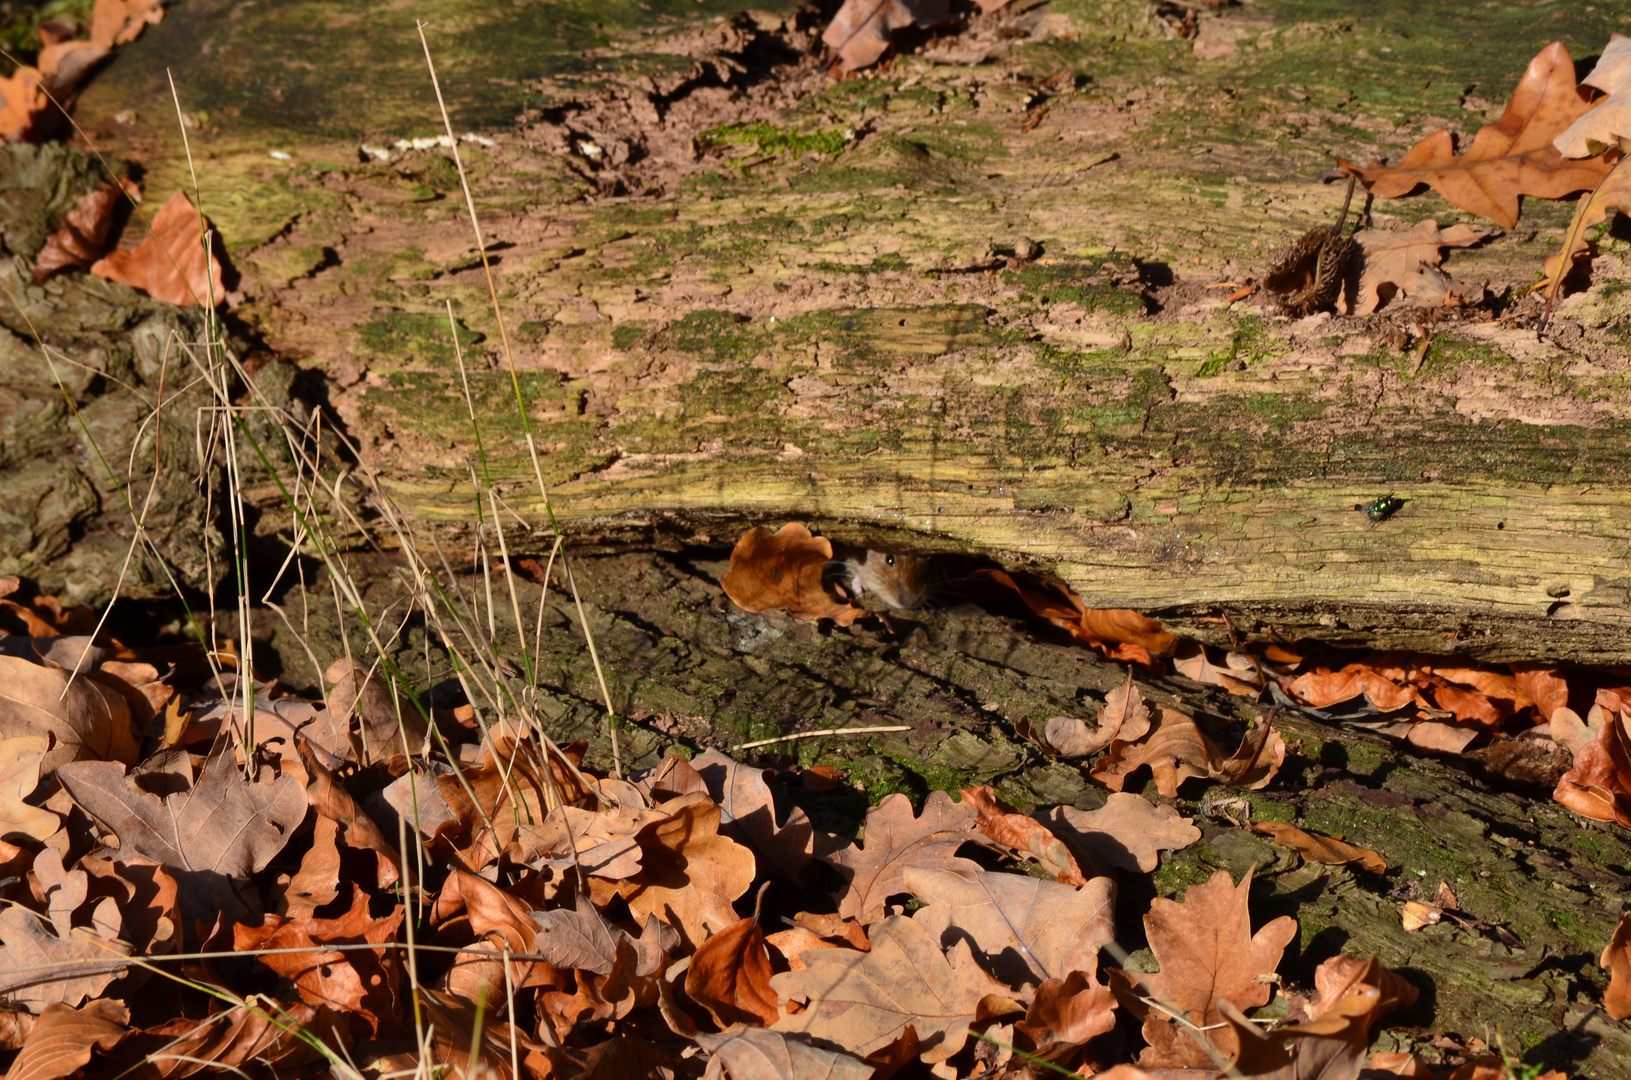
x=1025, y=836
x=360, y=982
x=90, y=721
x=39, y=967
x=864, y=1002
x=326, y=795
x=1381, y=681
x=22, y=102
x=1512, y=157
x=1071, y=1010
x=223, y=828
x=83, y=237
x=689, y=874
x=1122, y=634
x=1128, y=832
x=1609, y=120
x=1546, y=689
x=1051, y=929
x=785, y=570
x=170, y=265
x=1401, y=268
x=748, y=816
x=1616, y=960
x=62, y=1041
x=1327, y=850
x=859, y=33
x=1191, y=661
x=749, y=1053
x=895, y=840
x=22, y=822
x=1208, y=954
x=730, y=976
x=1599, y=785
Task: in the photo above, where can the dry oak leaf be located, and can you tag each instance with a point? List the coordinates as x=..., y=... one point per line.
x=864, y=1002
x=1122, y=634
x=223, y=827
x=1327, y=850
x=62, y=1041
x=39, y=968
x=326, y=795
x=1025, y=836
x=1512, y=157
x=859, y=33
x=1401, y=267
x=359, y=982
x=171, y=264
x=689, y=874
x=1599, y=785
x=1609, y=120
x=22, y=100
x=20, y=759
x=275, y=1037
x=1128, y=832
x=1052, y=929
x=730, y=976
x=383, y=717
x=1331, y=1048
x=1616, y=959
x=90, y=721
x=894, y=840
x=785, y=570
x=1377, y=677
x=119, y=22
x=749, y=1053
x=1208, y=954
x=501, y=924
x=1177, y=750
x=83, y=237
x=747, y=813
x=1071, y=1010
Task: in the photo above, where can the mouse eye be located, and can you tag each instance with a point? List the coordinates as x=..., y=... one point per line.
x=889, y=560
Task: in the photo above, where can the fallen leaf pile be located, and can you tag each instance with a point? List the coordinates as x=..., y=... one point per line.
x=63, y=66
x=175, y=906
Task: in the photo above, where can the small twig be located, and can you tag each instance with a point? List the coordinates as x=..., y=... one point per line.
x=819, y=734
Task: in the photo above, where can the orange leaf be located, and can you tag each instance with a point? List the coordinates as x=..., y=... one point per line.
x=119, y=22
x=23, y=101
x=1617, y=959
x=1121, y=633
x=785, y=570
x=170, y=265
x=730, y=976
x=1512, y=157
x=1024, y=835
x=1321, y=849
x=1599, y=784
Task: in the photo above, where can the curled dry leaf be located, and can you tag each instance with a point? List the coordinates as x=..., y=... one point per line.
x=83, y=237
x=1051, y=929
x=785, y=570
x=1547, y=690
x=895, y=840
x=1401, y=268
x=171, y=264
x=62, y=1042
x=1507, y=159
x=1616, y=960
x=21, y=822
x=1127, y=833
x=1331, y=1048
x=1599, y=785
x=748, y=1053
x=730, y=976
x=1335, y=977
x=1208, y=954
x=1121, y=633
x=1025, y=836
x=88, y=719
x=859, y=33
x=1190, y=660
x=1418, y=913
x=1609, y=120
x=1327, y=850
x=864, y=1002
x=1177, y=750
x=119, y=22
x=1071, y=1011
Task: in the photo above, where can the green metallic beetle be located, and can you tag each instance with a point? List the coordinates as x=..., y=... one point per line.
x=1381, y=509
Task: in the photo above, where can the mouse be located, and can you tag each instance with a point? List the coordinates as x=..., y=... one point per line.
x=899, y=580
